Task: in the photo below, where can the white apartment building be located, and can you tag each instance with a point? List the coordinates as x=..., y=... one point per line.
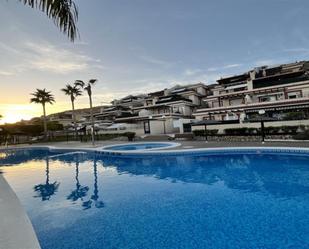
x=281, y=91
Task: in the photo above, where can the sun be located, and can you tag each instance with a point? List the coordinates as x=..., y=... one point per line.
x=14, y=113
x=14, y=117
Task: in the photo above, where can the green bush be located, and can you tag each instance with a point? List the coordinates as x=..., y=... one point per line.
x=236, y=131
x=130, y=135
x=294, y=116
x=270, y=130
x=302, y=135
x=201, y=133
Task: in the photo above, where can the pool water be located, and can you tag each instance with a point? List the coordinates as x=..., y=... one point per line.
x=139, y=146
x=220, y=201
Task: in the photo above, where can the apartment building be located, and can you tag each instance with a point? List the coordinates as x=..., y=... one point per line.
x=158, y=112
x=281, y=91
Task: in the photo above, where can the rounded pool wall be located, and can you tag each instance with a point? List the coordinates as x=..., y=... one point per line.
x=170, y=152
x=140, y=146
x=206, y=151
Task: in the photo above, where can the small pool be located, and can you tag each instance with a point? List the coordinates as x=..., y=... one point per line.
x=141, y=146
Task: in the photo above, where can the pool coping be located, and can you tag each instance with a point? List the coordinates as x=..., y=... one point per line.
x=17, y=221
x=15, y=228
x=171, y=145
x=161, y=151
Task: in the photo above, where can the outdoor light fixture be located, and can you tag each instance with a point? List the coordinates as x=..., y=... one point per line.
x=163, y=117
x=262, y=112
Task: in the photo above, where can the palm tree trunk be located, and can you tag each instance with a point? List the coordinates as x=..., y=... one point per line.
x=91, y=119
x=44, y=122
x=74, y=119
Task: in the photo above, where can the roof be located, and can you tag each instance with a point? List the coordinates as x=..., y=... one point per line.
x=234, y=79
x=172, y=98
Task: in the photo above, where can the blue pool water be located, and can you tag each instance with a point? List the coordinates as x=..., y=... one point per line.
x=220, y=201
x=139, y=146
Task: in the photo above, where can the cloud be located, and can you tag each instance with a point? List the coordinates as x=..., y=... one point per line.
x=6, y=73
x=190, y=72
x=266, y=62
x=222, y=68
x=232, y=66
x=296, y=50
x=45, y=57
x=156, y=61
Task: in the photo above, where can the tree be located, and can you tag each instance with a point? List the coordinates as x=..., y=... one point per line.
x=41, y=96
x=73, y=92
x=88, y=88
x=64, y=13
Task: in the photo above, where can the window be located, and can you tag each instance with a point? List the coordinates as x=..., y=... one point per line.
x=268, y=98
x=294, y=95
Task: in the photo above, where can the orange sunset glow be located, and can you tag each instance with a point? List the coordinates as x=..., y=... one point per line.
x=13, y=113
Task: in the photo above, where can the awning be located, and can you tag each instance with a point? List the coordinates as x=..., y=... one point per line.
x=214, y=122
x=280, y=108
x=115, y=126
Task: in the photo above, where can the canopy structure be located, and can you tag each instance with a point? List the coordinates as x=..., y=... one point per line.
x=260, y=119
x=116, y=126
x=214, y=122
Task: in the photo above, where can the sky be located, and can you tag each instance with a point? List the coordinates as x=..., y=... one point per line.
x=139, y=46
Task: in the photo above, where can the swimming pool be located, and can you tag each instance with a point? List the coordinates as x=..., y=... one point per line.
x=232, y=200
x=141, y=146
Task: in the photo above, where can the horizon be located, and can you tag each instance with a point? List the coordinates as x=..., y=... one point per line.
x=140, y=47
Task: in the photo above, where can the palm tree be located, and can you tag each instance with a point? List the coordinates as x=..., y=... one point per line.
x=41, y=96
x=88, y=87
x=64, y=13
x=73, y=92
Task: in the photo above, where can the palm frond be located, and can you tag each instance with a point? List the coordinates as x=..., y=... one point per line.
x=79, y=83
x=64, y=13
x=41, y=96
x=92, y=81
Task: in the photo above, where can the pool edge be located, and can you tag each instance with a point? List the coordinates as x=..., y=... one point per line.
x=16, y=228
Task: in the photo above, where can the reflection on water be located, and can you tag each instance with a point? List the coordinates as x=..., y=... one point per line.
x=219, y=201
x=80, y=191
x=45, y=191
x=280, y=175
x=94, y=199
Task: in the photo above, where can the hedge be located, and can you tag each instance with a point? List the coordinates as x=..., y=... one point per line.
x=208, y=132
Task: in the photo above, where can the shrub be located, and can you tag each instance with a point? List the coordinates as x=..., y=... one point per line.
x=294, y=116
x=302, y=136
x=130, y=135
x=208, y=132
x=236, y=131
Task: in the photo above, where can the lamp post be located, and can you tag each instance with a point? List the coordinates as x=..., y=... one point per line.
x=261, y=113
x=163, y=117
x=206, y=138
